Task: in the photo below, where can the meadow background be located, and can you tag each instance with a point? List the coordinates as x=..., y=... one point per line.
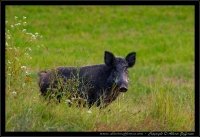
x=161, y=86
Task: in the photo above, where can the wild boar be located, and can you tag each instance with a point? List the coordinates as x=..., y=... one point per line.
x=96, y=84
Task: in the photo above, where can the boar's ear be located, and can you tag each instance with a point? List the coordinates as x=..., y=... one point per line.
x=130, y=58
x=109, y=58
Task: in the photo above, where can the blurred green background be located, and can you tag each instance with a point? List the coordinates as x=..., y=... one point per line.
x=161, y=87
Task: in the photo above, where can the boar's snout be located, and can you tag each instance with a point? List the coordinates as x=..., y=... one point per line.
x=122, y=83
x=123, y=88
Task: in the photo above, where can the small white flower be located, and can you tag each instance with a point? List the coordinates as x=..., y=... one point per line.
x=9, y=62
x=33, y=37
x=16, y=17
x=29, y=33
x=24, y=30
x=12, y=26
x=34, y=99
x=27, y=73
x=36, y=33
x=24, y=17
x=89, y=111
x=67, y=101
x=18, y=24
x=14, y=93
x=23, y=67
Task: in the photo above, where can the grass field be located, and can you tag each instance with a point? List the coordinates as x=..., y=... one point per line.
x=161, y=86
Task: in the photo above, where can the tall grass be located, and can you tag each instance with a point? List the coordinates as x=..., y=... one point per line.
x=161, y=86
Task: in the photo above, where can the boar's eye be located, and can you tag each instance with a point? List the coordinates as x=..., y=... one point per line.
x=115, y=73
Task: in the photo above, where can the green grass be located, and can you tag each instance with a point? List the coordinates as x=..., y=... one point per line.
x=161, y=87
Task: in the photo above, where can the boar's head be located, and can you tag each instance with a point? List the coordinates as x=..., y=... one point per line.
x=119, y=69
